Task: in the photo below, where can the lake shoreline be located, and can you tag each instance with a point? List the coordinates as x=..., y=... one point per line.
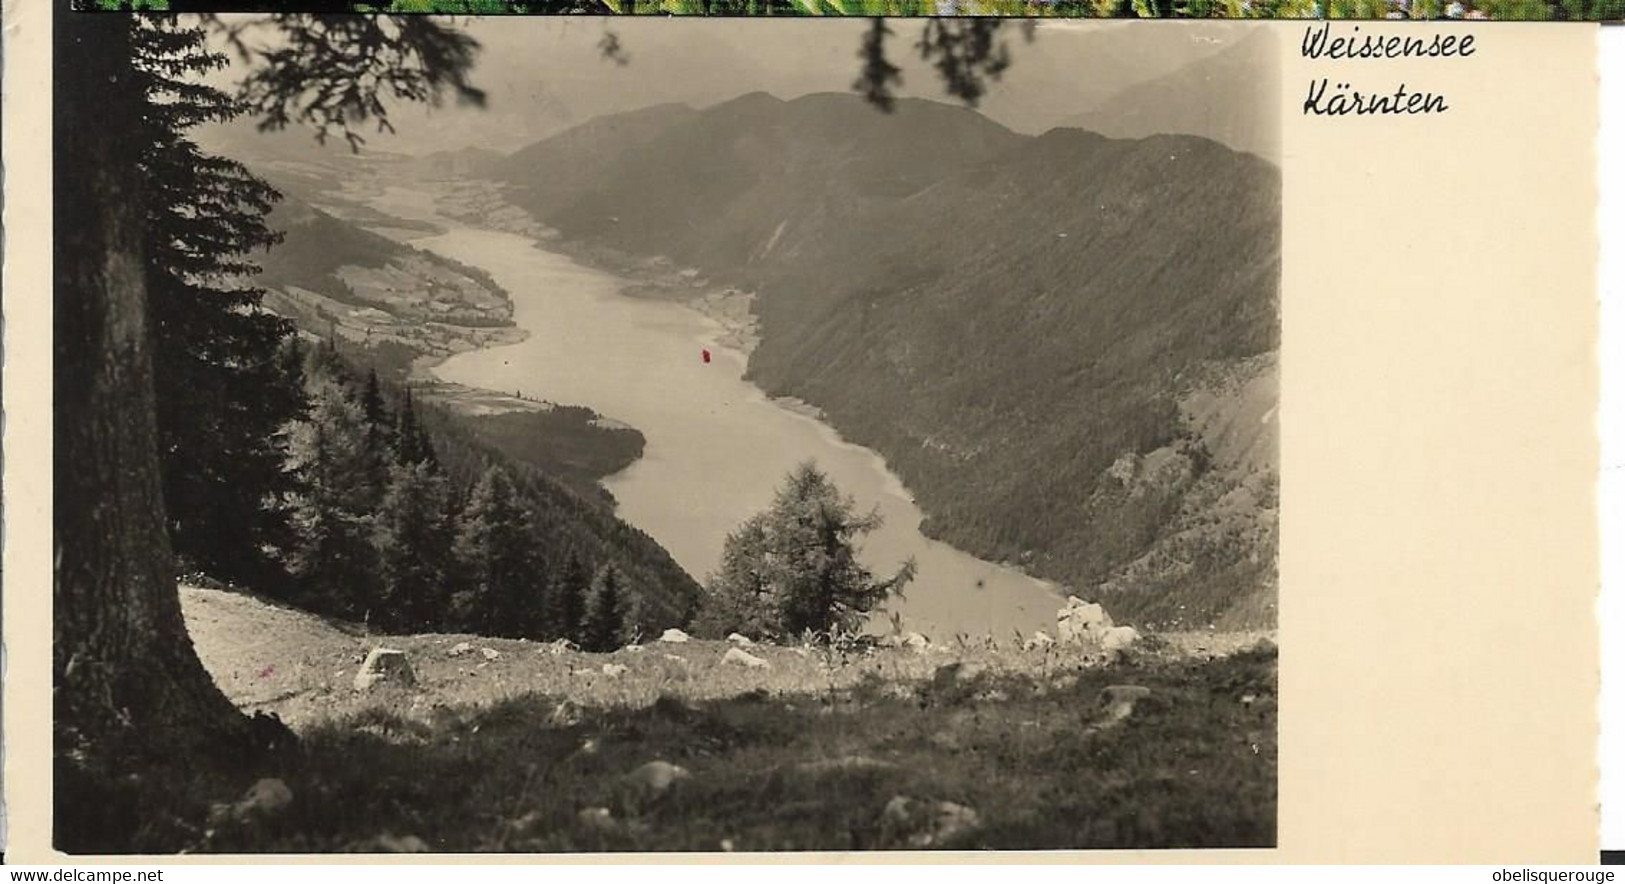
x=667, y=492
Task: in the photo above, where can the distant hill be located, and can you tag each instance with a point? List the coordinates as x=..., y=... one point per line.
x=1004, y=317
x=1231, y=97
x=565, y=167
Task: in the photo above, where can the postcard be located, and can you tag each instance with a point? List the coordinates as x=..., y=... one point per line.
x=728, y=437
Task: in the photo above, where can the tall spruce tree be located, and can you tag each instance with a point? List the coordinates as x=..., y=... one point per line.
x=567, y=597
x=411, y=442
x=224, y=395
x=602, y=629
x=414, y=545
x=794, y=568
x=503, y=583
x=379, y=439
x=129, y=691
x=333, y=557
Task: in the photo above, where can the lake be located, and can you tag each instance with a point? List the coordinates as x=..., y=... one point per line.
x=717, y=447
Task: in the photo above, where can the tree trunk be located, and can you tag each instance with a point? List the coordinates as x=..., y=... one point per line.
x=128, y=684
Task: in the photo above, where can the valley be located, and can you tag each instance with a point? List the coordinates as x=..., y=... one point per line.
x=1009, y=365
x=951, y=355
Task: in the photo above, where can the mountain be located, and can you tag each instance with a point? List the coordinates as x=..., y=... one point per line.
x=1232, y=97
x=552, y=74
x=745, y=167
x=560, y=168
x=1019, y=324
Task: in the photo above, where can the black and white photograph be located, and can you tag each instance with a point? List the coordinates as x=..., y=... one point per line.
x=570, y=435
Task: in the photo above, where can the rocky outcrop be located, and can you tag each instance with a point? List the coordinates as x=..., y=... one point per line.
x=1087, y=624
x=384, y=664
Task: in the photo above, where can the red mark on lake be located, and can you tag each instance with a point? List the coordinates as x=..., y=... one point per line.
x=267, y=671
x=705, y=356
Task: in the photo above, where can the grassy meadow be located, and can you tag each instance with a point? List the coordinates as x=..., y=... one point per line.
x=510, y=746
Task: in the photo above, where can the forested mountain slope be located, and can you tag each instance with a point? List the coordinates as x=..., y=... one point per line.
x=379, y=304
x=1003, y=317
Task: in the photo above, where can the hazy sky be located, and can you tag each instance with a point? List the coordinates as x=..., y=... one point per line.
x=546, y=74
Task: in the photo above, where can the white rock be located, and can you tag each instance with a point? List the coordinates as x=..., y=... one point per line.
x=738, y=639
x=1040, y=639
x=597, y=818
x=490, y=654
x=657, y=776
x=384, y=664
x=916, y=641
x=388, y=843
x=266, y=796
x=558, y=647
x=402, y=844
x=263, y=798
x=742, y=658
x=1080, y=621
x=614, y=670
x=1118, y=638
x=649, y=783
x=674, y=635
x=566, y=714
x=925, y=823
x=459, y=649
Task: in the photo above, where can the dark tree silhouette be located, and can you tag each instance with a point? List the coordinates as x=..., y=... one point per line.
x=129, y=689
x=227, y=395
x=567, y=597
x=605, y=621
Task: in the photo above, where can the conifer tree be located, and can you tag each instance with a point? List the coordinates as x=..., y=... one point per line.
x=605, y=620
x=225, y=396
x=414, y=544
x=493, y=549
x=380, y=429
x=795, y=568
x=411, y=442
x=333, y=558
x=567, y=598
x=128, y=688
